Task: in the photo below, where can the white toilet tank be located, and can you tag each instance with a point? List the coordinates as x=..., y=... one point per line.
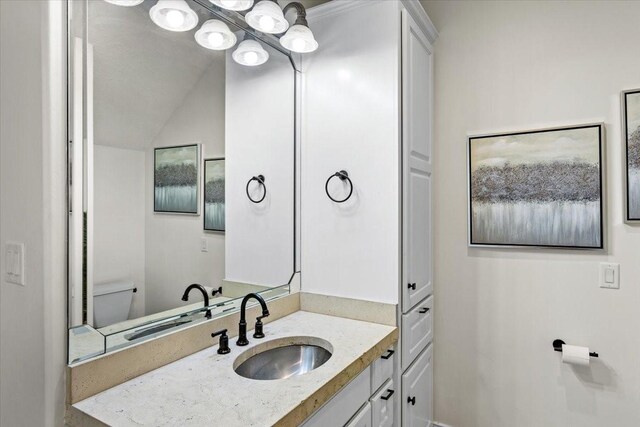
x=111, y=302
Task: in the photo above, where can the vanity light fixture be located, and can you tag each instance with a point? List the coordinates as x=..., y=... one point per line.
x=127, y=3
x=299, y=37
x=266, y=16
x=250, y=53
x=233, y=4
x=173, y=15
x=215, y=35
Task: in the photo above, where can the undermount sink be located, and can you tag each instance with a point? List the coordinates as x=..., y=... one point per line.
x=283, y=358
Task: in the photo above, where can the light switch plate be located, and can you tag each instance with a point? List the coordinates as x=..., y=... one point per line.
x=610, y=275
x=204, y=244
x=14, y=263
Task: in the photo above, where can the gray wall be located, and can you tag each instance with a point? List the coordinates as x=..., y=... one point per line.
x=32, y=175
x=522, y=65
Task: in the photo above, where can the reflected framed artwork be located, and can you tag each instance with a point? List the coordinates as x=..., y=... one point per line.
x=176, y=172
x=539, y=188
x=214, y=188
x=631, y=134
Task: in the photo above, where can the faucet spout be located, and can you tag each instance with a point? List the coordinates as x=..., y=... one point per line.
x=242, y=326
x=185, y=296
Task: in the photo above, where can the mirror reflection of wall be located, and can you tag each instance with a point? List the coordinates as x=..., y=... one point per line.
x=152, y=89
x=161, y=115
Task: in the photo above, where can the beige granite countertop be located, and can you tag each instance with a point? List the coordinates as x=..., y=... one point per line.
x=203, y=389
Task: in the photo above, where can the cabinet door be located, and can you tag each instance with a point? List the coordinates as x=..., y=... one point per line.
x=417, y=391
x=339, y=410
x=382, y=404
x=417, y=331
x=362, y=418
x=417, y=101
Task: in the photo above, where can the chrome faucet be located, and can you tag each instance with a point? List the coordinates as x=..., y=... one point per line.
x=242, y=326
x=201, y=288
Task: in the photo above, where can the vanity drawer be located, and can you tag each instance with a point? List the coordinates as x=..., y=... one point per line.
x=339, y=410
x=382, y=404
x=417, y=391
x=362, y=418
x=382, y=369
x=417, y=331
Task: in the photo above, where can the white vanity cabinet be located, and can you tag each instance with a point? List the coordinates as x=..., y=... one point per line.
x=417, y=390
x=368, y=400
x=368, y=109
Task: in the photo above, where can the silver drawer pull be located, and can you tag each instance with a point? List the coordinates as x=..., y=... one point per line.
x=424, y=310
x=389, y=394
x=388, y=355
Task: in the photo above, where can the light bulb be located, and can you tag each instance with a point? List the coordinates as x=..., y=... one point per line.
x=251, y=58
x=267, y=23
x=215, y=39
x=231, y=4
x=266, y=16
x=298, y=45
x=175, y=18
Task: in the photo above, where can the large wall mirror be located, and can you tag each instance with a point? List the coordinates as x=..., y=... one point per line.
x=182, y=170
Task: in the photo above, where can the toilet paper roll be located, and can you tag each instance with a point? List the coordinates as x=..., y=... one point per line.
x=575, y=355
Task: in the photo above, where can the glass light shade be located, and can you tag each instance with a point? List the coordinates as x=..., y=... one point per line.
x=173, y=15
x=266, y=16
x=299, y=39
x=233, y=4
x=127, y=3
x=215, y=35
x=250, y=53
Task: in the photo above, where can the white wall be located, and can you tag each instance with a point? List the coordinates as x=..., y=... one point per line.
x=352, y=82
x=173, y=256
x=260, y=140
x=522, y=65
x=32, y=183
x=119, y=187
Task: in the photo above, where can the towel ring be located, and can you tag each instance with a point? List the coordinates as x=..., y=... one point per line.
x=260, y=180
x=344, y=176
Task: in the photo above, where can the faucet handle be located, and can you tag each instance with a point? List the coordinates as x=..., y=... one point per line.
x=223, y=347
x=259, y=332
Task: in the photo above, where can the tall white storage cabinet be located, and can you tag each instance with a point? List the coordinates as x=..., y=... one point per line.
x=367, y=109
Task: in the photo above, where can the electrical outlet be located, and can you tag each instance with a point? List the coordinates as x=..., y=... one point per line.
x=14, y=263
x=610, y=275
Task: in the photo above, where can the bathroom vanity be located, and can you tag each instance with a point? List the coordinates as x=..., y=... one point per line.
x=312, y=176
x=204, y=389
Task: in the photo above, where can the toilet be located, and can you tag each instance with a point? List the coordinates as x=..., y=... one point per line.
x=111, y=302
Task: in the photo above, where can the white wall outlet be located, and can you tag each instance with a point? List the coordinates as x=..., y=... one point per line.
x=610, y=275
x=204, y=244
x=14, y=263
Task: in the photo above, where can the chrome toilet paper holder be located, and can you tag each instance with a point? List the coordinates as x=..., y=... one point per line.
x=557, y=346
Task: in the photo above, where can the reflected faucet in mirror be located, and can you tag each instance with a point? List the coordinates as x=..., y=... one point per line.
x=201, y=288
x=242, y=326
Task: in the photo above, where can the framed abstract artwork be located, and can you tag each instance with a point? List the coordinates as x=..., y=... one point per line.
x=214, y=188
x=176, y=171
x=539, y=188
x=631, y=135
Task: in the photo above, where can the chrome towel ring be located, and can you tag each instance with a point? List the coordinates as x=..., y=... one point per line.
x=260, y=180
x=344, y=176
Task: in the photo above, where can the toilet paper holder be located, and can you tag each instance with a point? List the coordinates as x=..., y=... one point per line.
x=557, y=346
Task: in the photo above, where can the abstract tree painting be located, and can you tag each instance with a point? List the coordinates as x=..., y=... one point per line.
x=214, y=201
x=631, y=131
x=539, y=188
x=176, y=179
